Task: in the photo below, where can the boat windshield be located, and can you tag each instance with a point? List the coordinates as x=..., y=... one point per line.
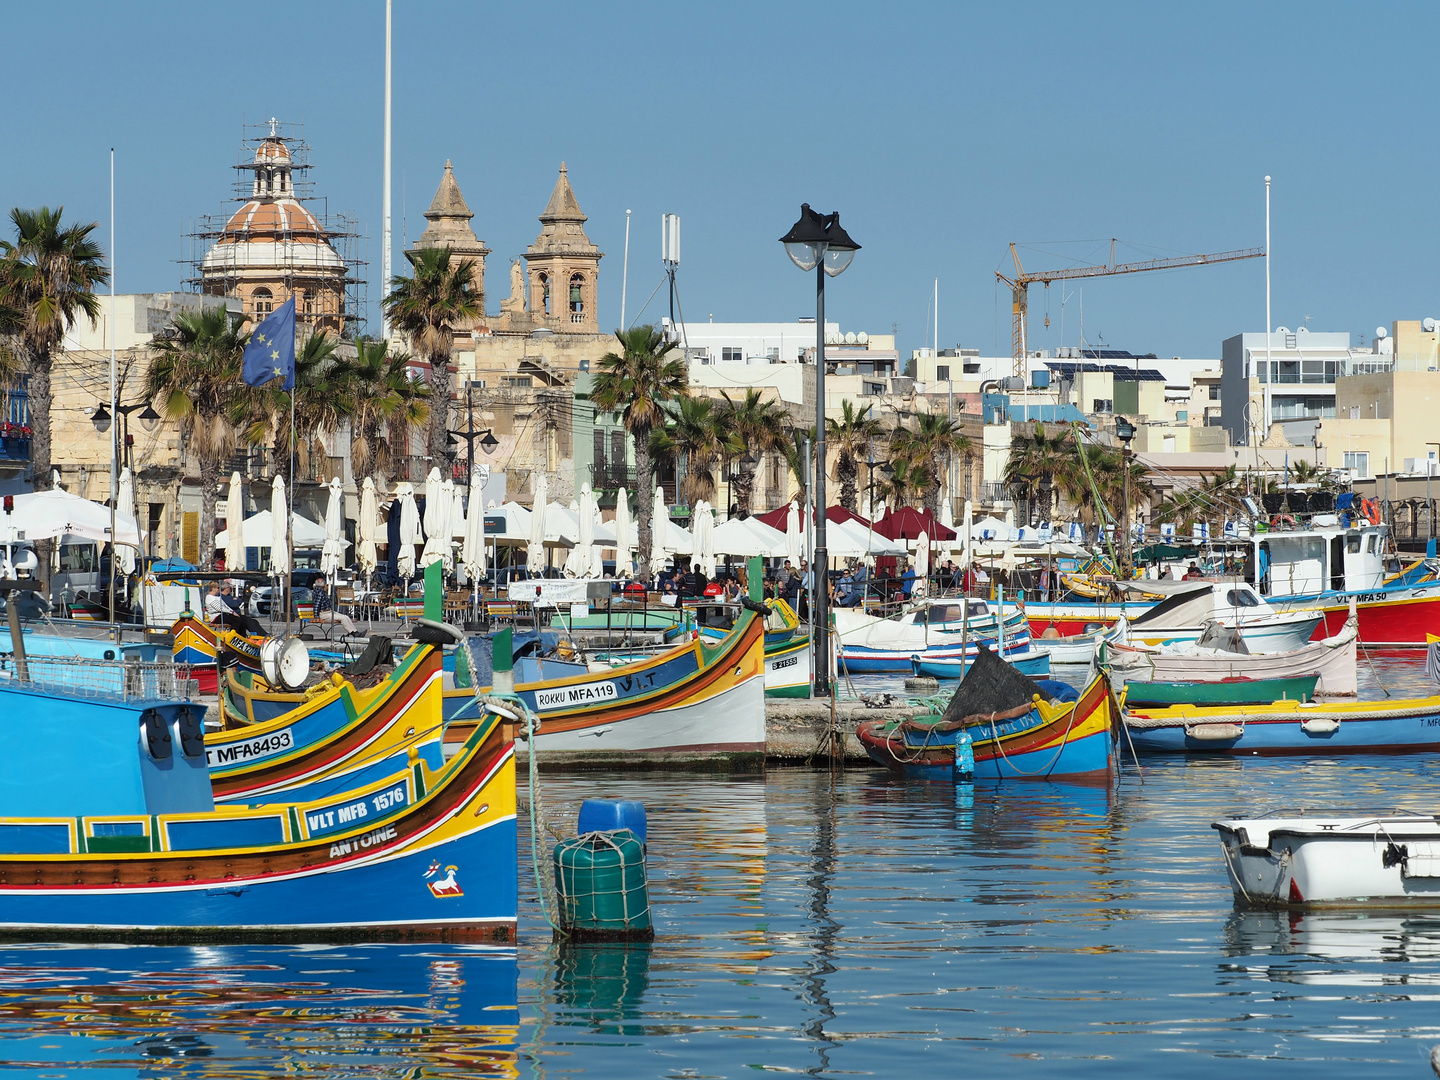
x=1242, y=598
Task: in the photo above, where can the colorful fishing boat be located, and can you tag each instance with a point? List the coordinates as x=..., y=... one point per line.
x=1392, y=726
x=1300, y=859
x=195, y=648
x=336, y=735
x=1031, y=662
x=1233, y=691
x=1333, y=659
x=1042, y=736
x=940, y=630
x=131, y=847
x=694, y=700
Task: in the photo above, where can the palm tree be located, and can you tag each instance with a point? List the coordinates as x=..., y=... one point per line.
x=760, y=426
x=924, y=448
x=195, y=374
x=636, y=384
x=380, y=395
x=48, y=277
x=320, y=408
x=851, y=436
x=696, y=436
x=428, y=308
x=1036, y=460
x=794, y=450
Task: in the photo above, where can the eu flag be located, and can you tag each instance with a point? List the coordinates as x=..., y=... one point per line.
x=271, y=352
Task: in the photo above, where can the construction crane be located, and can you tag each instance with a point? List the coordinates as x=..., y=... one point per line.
x=1020, y=284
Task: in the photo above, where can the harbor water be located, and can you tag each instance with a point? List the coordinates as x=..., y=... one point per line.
x=855, y=925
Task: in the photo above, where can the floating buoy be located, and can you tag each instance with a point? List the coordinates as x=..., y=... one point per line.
x=600, y=874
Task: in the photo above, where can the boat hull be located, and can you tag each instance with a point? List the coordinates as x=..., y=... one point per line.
x=1230, y=692
x=1390, y=727
x=1073, y=742
x=1333, y=861
x=788, y=671
x=392, y=861
x=858, y=659
x=1027, y=663
x=1388, y=618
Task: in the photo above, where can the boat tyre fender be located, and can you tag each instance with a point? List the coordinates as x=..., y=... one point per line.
x=1282, y=521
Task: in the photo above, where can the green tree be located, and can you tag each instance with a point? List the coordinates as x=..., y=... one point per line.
x=760, y=426
x=48, y=277
x=428, y=307
x=384, y=402
x=695, y=435
x=1037, y=458
x=195, y=376
x=925, y=448
x=851, y=437
x=636, y=384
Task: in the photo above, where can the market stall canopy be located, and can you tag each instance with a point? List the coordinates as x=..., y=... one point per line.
x=907, y=523
x=258, y=531
x=43, y=515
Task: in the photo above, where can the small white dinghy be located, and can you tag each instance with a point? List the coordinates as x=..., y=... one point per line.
x=1292, y=859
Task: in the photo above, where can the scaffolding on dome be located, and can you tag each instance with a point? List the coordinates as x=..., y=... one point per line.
x=333, y=299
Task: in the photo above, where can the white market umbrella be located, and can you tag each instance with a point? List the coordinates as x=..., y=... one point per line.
x=125, y=507
x=258, y=530
x=624, y=546
x=43, y=515
x=457, y=511
x=705, y=538
x=437, y=521
x=332, y=554
x=794, y=545
x=865, y=509
x=472, y=551
x=659, y=518
x=585, y=541
x=234, y=515
x=967, y=533
x=736, y=537
x=410, y=534
x=922, y=557
x=368, y=526
x=535, y=556
x=879, y=513
x=279, y=534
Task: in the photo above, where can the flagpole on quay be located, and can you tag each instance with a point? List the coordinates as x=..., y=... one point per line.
x=115, y=428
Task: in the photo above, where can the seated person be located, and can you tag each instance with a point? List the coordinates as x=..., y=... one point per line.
x=907, y=581
x=220, y=611
x=325, y=609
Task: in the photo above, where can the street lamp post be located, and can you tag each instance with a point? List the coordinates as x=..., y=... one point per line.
x=1125, y=431
x=817, y=242
x=102, y=419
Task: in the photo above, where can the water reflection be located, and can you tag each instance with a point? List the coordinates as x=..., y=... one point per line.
x=155, y=1011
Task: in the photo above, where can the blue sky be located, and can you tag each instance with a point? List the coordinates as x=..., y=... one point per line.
x=940, y=131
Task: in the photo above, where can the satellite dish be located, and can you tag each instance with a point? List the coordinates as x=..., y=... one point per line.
x=1381, y=332
x=1428, y=325
x=1302, y=330
x=863, y=338
x=1282, y=330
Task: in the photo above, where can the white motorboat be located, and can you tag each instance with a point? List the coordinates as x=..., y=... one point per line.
x=1289, y=858
x=1190, y=607
x=1079, y=648
x=1332, y=658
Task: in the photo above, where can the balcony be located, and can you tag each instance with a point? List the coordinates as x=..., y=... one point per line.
x=15, y=426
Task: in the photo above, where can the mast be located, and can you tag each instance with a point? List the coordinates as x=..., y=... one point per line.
x=114, y=412
x=385, y=226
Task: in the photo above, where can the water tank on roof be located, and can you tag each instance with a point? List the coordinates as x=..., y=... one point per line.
x=864, y=338
x=850, y=338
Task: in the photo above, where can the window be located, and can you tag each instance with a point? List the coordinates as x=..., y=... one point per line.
x=1242, y=598
x=77, y=558
x=1370, y=543
x=1103, y=405
x=874, y=388
x=1357, y=461
x=517, y=382
x=774, y=355
x=577, y=294
x=942, y=372
x=264, y=303
x=1287, y=371
x=732, y=356
x=545, y=293
x=1214, y=391
x=1352, y=544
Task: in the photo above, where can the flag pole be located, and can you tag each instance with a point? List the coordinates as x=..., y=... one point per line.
x=114, y=410
x=290, y=511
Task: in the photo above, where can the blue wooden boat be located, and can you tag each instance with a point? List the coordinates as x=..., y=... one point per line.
x=1288, y=727
x=116, y=837
x=1030, y=662
x=1045, y=740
